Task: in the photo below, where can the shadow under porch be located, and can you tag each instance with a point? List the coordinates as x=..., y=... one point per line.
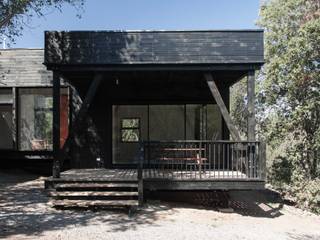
x=144, y=93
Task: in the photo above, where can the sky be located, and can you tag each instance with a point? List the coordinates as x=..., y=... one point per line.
x=143, y=15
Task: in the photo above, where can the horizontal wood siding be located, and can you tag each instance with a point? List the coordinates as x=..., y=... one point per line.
x=167, y=47
x=23, y=68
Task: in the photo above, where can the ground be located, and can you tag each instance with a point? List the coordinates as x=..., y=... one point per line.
x=25, y=214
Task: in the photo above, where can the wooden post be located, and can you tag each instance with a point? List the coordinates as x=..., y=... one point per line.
x=56, y=125
x=82, y=112
x=251, y=124
x=223, y=109
x=140, y=174
x=262, y=155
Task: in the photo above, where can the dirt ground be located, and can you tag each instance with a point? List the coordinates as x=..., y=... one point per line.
x=25, y=214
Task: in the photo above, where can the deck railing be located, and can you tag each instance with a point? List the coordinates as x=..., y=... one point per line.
x=184, y=159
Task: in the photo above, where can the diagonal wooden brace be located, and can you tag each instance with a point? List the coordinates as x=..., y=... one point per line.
x=223, y=109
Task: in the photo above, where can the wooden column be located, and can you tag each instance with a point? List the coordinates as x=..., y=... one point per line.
x=81, y=114
x=251, y=124
x=56, y=125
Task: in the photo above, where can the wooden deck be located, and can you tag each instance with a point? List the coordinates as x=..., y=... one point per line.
x=163, y=179
x=101, y=174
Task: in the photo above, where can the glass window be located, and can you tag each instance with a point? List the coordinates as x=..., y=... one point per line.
x=130, y=130
x=214, y=122
x=6, y=96
x=166, y=122
x=35, y=118
x=6, y=139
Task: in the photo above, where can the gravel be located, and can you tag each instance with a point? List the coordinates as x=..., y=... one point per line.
x=26, y=214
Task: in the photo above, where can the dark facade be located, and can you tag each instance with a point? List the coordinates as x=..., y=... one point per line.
x=145, y=70
x=104, y=92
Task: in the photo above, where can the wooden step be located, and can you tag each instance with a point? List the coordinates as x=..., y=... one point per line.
x=94, y=203
x=91, y=193
x=96, y=186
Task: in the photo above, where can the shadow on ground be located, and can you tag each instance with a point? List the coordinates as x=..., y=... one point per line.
x=264, y=204
x=24, y=210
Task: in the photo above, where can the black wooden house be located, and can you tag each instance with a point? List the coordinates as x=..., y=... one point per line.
x=151, y=109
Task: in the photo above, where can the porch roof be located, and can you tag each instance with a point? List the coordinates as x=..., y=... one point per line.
x=154, y=49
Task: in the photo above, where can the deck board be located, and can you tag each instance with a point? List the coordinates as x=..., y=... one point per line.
x=162, y=179
x=131, y=174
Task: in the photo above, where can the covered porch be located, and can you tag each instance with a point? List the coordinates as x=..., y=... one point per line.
x=153, y=108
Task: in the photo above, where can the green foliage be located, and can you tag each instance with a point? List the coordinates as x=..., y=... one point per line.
x=288, y=97
x=15, y=15
x=238, y=105
x=306, y=193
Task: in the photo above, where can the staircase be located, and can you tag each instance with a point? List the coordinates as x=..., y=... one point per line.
x=95, y=194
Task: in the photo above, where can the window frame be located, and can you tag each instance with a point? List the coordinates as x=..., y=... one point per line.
x=10, y=103
x=17, y=95
x=130, y=128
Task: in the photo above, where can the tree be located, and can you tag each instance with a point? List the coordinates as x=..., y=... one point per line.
x=16, y=14
x=291, y=80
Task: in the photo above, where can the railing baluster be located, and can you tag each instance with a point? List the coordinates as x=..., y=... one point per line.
x=209, y=157
x=194, y=158
x=214, y=160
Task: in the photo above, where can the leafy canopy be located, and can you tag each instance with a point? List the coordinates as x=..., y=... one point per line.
x=291, y=80
x=15, y=15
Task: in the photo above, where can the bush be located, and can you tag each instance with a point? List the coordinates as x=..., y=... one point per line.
x=306, y=194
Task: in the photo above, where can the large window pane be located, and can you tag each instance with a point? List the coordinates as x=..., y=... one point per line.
x=6, y=96
x=6, y=139
x=166, y=122
x=130, y=125
x=35, y=118
x=195, y=122
x=214, y=122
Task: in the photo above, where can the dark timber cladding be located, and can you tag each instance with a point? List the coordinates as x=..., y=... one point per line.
x=153, y=47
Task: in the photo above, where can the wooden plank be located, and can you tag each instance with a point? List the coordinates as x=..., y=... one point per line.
x=86, y=203
x=83, y=110
x=90, y=193
x=251, y=124
x=97, y=185
x=223, y=109
x=23, y=68
x=225, y=184
x=56, y=125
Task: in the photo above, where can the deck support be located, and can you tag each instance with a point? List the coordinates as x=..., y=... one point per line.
x=56, y=125
x=251, y=124
x=223, y=109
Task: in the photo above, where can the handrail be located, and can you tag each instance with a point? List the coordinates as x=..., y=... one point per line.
x=198, y=141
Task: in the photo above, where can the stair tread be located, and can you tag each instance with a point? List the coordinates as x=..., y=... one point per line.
x=92, y=193
x=85, y=203
x=95, y=185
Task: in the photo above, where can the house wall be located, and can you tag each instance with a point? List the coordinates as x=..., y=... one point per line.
x=22, y=69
